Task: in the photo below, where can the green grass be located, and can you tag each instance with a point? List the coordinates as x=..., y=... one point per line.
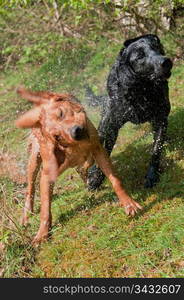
x=91, y=235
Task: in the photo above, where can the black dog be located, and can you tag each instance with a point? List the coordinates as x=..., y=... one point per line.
x=138, y=92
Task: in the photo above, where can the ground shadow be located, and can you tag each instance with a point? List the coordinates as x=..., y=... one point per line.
x=88, y=202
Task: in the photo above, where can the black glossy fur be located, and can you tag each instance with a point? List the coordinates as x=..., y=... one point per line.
x=138, y=92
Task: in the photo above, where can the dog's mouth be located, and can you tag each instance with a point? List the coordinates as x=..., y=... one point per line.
x=166, y=68
x=60, y=141
x=167, y=74
x=163, y=76
x=74, y=136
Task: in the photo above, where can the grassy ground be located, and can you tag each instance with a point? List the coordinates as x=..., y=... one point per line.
x=91, y=236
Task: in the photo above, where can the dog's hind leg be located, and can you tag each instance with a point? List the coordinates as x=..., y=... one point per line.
x=50, y=171
x=32, y=171
x=159, y=129
x=46, y=191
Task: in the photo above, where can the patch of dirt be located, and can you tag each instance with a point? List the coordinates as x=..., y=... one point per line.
x=10, y=167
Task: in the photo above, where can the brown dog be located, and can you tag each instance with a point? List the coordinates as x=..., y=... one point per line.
x=62, y=137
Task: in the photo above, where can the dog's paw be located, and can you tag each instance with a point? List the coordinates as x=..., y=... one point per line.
x=41, y=236
x=95, y=178
x=24, y=221
x=131, y=208
x=38, y=239
x=151, y=178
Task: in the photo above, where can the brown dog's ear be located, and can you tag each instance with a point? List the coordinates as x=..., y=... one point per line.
x=42, y=97
x=35, y=97
x=30, y=119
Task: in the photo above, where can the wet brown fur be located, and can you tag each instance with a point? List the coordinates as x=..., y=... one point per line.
x=52, y=145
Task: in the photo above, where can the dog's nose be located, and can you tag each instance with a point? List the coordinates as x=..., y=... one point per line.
x=77, y=132
x=167, y=64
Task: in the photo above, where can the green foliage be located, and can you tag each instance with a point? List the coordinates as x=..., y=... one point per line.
x=14, y=3
x=32, y=31
x=53, y=72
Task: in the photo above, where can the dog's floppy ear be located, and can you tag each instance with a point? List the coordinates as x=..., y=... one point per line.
x=130, y=41
x=34, y=97
x=42, y=97
x=29, y=119
x=151, y=36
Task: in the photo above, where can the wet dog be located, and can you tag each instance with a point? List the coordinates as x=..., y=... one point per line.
x=62, y=137
x=138, y=92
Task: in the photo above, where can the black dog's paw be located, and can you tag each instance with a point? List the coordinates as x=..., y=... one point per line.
x=95, y=178
x=152, y=177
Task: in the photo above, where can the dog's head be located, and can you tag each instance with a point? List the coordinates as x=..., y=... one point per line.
x=146, y=58
x=59, y=116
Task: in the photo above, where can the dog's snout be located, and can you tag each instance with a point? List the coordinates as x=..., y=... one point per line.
x=77, y=132
x=167, y=64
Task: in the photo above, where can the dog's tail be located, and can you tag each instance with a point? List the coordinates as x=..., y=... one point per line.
x=92, y=99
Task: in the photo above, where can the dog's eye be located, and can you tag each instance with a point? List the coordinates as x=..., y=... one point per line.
x=60, y=114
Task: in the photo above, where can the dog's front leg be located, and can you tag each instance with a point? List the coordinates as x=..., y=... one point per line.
x=159, y=129
x=103, y=161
